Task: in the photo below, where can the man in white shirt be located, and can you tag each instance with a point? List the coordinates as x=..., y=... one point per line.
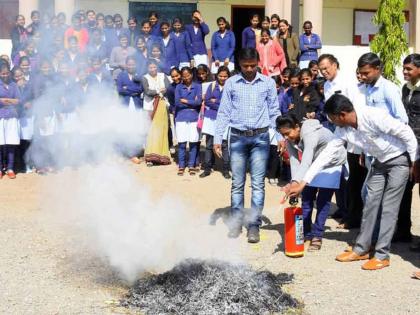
x=349, y=199
x=393, y=146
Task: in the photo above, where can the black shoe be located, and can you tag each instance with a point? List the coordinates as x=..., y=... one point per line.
x=227, y=175
x=234, y=232
x=253, y=234
x=205, y=174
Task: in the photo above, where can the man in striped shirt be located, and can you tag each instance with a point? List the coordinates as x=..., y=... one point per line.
x=249, y=105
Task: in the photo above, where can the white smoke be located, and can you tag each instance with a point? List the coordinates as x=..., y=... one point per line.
x=112, y=206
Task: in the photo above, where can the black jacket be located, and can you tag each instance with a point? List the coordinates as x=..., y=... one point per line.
x=412, y=106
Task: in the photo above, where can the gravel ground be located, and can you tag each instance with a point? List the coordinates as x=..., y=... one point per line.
x=44, y=269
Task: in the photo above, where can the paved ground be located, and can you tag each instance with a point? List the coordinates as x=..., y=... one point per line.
x=47, y=269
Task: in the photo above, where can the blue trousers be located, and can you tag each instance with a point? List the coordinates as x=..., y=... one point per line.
x=323, y=204
x=255, y=151
x=182, y=152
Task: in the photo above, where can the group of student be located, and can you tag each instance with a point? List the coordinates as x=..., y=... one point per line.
x=163, y=69
x=145, y=63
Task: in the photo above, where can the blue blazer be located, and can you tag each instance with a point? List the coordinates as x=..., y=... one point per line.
x=111, y=37
x=151, y=40
x=129, y=88
x=141, y=62
x=212, y=107
x=248, y=38
x=183, y=47
x=169, y=52
x=312, y=46
x=106, y=81
x=198, y=46
x=222, y=48
x=100, y=52
x=156, y=30
x=194, y=96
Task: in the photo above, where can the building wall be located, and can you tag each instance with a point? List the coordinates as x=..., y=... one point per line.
x=105, y=6
x=337, y=26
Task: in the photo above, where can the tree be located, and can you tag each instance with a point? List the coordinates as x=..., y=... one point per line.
x=390, y=43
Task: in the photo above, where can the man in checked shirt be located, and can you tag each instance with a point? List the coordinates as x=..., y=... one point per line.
x=393, y=147
x=249, y=106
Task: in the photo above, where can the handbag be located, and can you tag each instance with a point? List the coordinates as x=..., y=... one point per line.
x=200, y=120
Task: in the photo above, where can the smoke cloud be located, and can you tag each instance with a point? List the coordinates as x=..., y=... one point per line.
x=112, y=207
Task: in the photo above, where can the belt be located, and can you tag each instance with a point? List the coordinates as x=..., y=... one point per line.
x=249, y=133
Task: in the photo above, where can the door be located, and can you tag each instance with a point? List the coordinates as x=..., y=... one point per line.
x=240, y=17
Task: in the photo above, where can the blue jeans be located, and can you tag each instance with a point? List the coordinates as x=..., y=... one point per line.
x=182, y=152
x=255, y=151
x=323, y=203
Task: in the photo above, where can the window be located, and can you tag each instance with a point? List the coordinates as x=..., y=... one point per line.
x=363, y=28
x=167, y=11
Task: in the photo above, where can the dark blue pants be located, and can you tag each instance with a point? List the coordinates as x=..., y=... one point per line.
x=7, y=154
x=182, y=152
x=323, y=203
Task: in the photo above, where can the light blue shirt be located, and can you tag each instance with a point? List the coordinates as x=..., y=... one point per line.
x=247, y=105
x=385, y=94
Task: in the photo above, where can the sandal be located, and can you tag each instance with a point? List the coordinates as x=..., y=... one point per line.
x=315, y=245
x=181, y=172
x=192, y=171
x=416, y=275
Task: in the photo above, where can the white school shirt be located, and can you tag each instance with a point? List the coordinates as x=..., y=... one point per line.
x=378, y=134
x=350, y=89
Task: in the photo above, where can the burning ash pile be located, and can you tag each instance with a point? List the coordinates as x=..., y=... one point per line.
x=211, y=287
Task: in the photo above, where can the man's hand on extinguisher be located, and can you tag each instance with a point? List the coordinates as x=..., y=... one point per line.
x=286, y=190
x=296, y=188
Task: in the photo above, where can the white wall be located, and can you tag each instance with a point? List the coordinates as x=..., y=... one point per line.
x=337, y=26
x=5, y=46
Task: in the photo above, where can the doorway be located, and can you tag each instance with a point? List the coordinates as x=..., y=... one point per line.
x=240, y=16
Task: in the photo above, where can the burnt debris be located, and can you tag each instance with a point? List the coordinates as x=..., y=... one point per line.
x=211, y=287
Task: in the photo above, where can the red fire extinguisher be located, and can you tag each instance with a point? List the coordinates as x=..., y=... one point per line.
x=294, y=243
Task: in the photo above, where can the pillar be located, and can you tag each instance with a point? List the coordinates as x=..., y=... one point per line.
x=26, y=7
x=312, y=11
x=281, y=7
x=414, y=40
x=67, y=6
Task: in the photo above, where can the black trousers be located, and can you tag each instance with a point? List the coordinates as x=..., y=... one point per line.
x=274, y=163
x=209, y=157
x=355, y=183
x=404, y=215
x=22, y=157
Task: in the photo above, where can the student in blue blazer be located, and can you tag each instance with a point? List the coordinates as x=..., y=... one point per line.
x=188, y=99
x=182, y=44
x=154, y=23
x=149, y=38
x=129, y=86
x=169, y=47
x=223, y=46
x=212, y=99
x=197, y=32
x=250, y=33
